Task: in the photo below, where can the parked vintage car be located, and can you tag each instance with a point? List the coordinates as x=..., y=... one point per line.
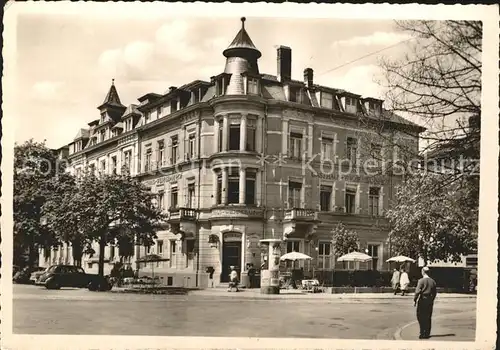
x=36, y=273
x=57, y=276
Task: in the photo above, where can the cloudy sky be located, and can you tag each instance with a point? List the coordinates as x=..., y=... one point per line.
x=65, y=63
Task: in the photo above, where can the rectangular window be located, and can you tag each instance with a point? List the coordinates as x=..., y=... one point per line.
x=292, y=246
x=103, y=116
x=191, y=145
x=103, y=135
x=173, y=106
x=147, y=160
x=350, y=200
x=103, y=166
x=373, y=252
x=174, y=199
x=196, y=95
x=158, y=112
x=161, y=153
x=218, y=195
x=111, y=252
x=325, y=197
x=234, y=137
x=175, y=148
x=373, y=201
x=324, y=255
x=128, y=124
x=250, y=187
x=296, y=145
x=147, y=117
x=326, y=100
x=327, y=148
x=161, y=200
x=294, y=194
x=294, y=95
x=159, y=247
x=233, y=186
x=250, y=146
x=127, y=156
x=191, y=196
x=113, y=165
x=352, y=150
x=253, y=86
x=221, y=141
x=376, y=153
x=173, y=252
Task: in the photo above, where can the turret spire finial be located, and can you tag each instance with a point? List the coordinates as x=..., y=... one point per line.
x=243, y=19
x=113, y=81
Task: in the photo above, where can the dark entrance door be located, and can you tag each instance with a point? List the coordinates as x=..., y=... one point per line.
x=231, y=256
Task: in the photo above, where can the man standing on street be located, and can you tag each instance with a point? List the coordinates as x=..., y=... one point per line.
x=395, y=280
x=425, y=293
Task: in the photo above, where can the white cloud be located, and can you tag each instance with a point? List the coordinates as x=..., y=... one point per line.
x=46, y=90
x=137, y=54
x=358, y=80
x=375, y=39
x=172, y=40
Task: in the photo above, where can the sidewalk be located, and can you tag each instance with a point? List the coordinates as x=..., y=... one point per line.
x=296, y=294
x=452, y=327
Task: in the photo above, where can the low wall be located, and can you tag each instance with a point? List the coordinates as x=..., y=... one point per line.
x=180, y=279
x=347, y=290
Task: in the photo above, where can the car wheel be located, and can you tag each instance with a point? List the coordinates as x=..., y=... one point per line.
x=52, y=285
x=92, y=287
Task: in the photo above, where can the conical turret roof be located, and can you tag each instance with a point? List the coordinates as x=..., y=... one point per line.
x=112, y=98
x=242, y=42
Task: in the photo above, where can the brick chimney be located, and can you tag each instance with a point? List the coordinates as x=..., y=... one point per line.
x=308, y=77
x=284, y=63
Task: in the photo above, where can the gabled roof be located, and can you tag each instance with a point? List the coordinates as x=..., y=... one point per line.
x=132, y=109
x=82, y=134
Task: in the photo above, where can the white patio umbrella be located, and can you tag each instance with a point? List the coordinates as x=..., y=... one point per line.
x=293, y=256
x=355, y=256
x=400, y=259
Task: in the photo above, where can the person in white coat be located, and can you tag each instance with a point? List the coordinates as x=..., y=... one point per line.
x=404, y=282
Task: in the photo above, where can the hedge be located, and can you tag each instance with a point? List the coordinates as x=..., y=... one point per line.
x=445, y=278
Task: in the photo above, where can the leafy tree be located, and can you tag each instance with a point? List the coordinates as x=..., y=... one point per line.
x=438, y=80
x=344, y=240
x=63, y=217
x=109, y=209
x=430, y=221
x=35, y=165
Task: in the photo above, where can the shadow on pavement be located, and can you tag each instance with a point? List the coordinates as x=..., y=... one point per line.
x=443, y=335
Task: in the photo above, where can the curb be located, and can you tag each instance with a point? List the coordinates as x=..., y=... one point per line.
x=397, y=334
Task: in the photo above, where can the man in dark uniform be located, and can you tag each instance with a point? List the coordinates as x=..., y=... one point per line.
x=425, y=293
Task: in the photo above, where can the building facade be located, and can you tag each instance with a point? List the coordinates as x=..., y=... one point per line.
x=248, y=156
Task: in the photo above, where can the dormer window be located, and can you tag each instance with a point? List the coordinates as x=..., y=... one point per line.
x=158, y=112
x=294, y=95
x=253, y=86
x=128, y=124
x=102, y=135
x=173, y=106
x=326, y=100
x=196, y=95
x=350, y=104
x=103, y=117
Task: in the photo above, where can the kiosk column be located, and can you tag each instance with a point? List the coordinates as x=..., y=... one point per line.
x=269, y=274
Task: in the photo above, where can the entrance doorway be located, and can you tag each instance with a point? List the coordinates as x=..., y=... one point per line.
x=231, y=256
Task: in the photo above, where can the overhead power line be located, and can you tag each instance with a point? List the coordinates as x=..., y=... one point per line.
x=365, y=56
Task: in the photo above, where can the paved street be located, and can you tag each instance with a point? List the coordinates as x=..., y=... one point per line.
x=74, y=311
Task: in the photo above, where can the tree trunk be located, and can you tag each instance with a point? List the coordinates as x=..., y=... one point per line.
x=102, y=246
x=32, y=252
x=77, y=252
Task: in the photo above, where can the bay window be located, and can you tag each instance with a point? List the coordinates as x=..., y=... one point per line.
x=233, y=186
x=234, y=136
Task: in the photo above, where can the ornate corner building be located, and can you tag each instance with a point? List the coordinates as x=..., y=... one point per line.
x=248, y=156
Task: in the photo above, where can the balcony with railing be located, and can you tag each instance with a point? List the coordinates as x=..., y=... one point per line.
x=176, y=215
x=300, y=214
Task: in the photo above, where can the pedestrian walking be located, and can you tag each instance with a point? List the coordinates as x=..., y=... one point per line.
x=425, y=293
x=395, y=280
x=233, y=279
x=404, y=282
